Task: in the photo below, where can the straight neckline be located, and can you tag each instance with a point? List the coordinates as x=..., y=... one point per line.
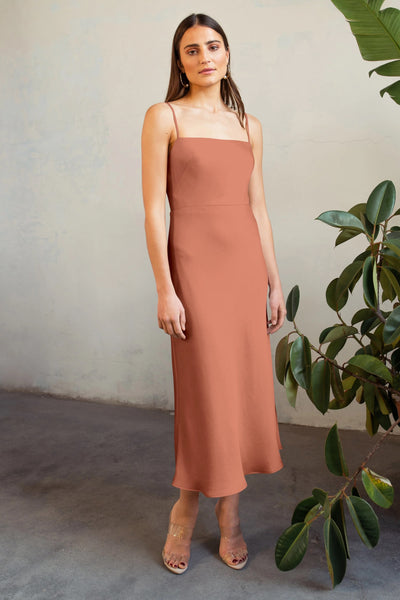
x=188, y=137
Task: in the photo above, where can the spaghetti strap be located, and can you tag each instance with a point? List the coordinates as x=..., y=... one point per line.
x=175, y=121
x=247, y=127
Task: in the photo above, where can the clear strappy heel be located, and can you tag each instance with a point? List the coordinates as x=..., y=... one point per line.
x=237, y=558
x=175, y=561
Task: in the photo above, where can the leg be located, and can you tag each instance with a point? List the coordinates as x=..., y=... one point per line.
x=232, y=548
x=176, y=551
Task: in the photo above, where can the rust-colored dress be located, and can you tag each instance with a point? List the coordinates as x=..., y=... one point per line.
x=225, y=416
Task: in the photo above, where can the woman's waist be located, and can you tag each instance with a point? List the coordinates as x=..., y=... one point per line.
x=207, y=205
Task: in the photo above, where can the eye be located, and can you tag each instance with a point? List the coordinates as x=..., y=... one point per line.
x=192, y=51
x=214, y=47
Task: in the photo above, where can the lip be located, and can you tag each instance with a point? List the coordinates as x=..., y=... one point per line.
x=207, y=70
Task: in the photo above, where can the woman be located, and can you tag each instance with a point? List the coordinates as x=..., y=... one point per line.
x=212, y=276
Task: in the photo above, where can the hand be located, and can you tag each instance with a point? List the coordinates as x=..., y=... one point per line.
x=171, y=315
x=277, y=309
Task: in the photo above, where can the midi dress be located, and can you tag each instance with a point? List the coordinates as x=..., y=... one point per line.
x=225, y=421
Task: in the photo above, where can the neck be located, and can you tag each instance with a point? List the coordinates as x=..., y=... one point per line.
x=208, y=98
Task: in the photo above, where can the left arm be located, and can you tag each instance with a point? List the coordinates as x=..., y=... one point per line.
x=258, y=205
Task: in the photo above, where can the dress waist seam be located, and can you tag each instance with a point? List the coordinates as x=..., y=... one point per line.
x=208, y=205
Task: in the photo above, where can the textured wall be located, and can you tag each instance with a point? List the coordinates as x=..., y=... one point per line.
x=78, y=301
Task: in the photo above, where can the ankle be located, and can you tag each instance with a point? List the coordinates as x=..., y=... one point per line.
x=184, y=512
x=227, y=513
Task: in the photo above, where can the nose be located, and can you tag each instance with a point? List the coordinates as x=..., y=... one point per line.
x=204, y=58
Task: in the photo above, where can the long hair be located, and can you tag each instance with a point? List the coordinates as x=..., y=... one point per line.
x=229, y=91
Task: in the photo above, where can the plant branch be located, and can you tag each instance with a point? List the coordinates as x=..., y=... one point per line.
x=341, y=368
x=352, y=479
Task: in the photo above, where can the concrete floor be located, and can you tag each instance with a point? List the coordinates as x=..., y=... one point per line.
x=85, y=494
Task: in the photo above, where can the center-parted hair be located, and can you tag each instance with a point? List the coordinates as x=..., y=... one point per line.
x=229, y=91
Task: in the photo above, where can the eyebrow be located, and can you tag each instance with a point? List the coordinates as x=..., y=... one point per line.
x=210, y=42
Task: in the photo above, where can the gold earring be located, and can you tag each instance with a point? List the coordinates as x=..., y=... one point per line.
x=181, y=80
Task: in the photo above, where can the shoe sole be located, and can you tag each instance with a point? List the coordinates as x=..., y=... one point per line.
x=176, y=570
x=238, y=566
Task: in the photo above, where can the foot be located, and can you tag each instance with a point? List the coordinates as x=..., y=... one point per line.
x=176, y=551
x=232, y=547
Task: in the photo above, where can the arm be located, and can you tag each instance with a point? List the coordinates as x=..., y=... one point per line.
x=258, y=205
x=156, y=134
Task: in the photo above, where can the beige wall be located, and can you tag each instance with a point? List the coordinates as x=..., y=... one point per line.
x=78, y=301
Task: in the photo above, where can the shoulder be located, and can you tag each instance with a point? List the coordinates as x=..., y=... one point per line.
x=158, y=111
x=159, y=118
x=255, y=128
x=254, y=124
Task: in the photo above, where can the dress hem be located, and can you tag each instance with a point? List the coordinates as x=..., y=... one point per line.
x=224, y=492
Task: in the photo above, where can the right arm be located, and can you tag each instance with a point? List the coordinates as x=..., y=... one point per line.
x=156, y=134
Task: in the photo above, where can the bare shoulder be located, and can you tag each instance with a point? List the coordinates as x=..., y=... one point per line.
x=254, y=124
x=159, y=118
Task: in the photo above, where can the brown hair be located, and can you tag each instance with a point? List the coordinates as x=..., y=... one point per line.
x=229, y=90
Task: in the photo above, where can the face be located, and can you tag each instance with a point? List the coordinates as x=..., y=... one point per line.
x=204, y=58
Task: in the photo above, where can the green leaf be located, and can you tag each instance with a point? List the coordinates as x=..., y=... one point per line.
x=321, y=385
x=335, y=551
x=393, y=281
x=370, y=282
x=376, y=31
x=395, y=359
x=321, y=496
x=334, y=457
x=384, y=421
x=391, y=330
x=364, y=519
x=394, y=248
x=361, y=315
x=378, y=488
x=312, y=513
x=291, y=386
x=303, y=508
x=335, y=302
x=368, y=21
x=291, y=546
x=335, y=347
x=382, y=402
x=337, y=514
x=368, y=325
x=369, y=395
x=381, y=202
x=346, y=235
x=371, y=422
x=393, y=90
x=336, y=384
x=390, y=69
x=337, y=404
x=376, y=340
x=337, y=332
x=372, y=365
x=348, y=276
x=292, y=303
x=341, y=219
x=300, y=361
x=359, y=210
x=282, y=358
x=389, y=259
x=388, y=292
x=348, y=381
x=324, y=333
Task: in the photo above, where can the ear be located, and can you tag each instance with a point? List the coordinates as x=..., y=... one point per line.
x=227, y=55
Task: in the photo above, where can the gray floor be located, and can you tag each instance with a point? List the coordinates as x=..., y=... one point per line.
x=85, y=494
